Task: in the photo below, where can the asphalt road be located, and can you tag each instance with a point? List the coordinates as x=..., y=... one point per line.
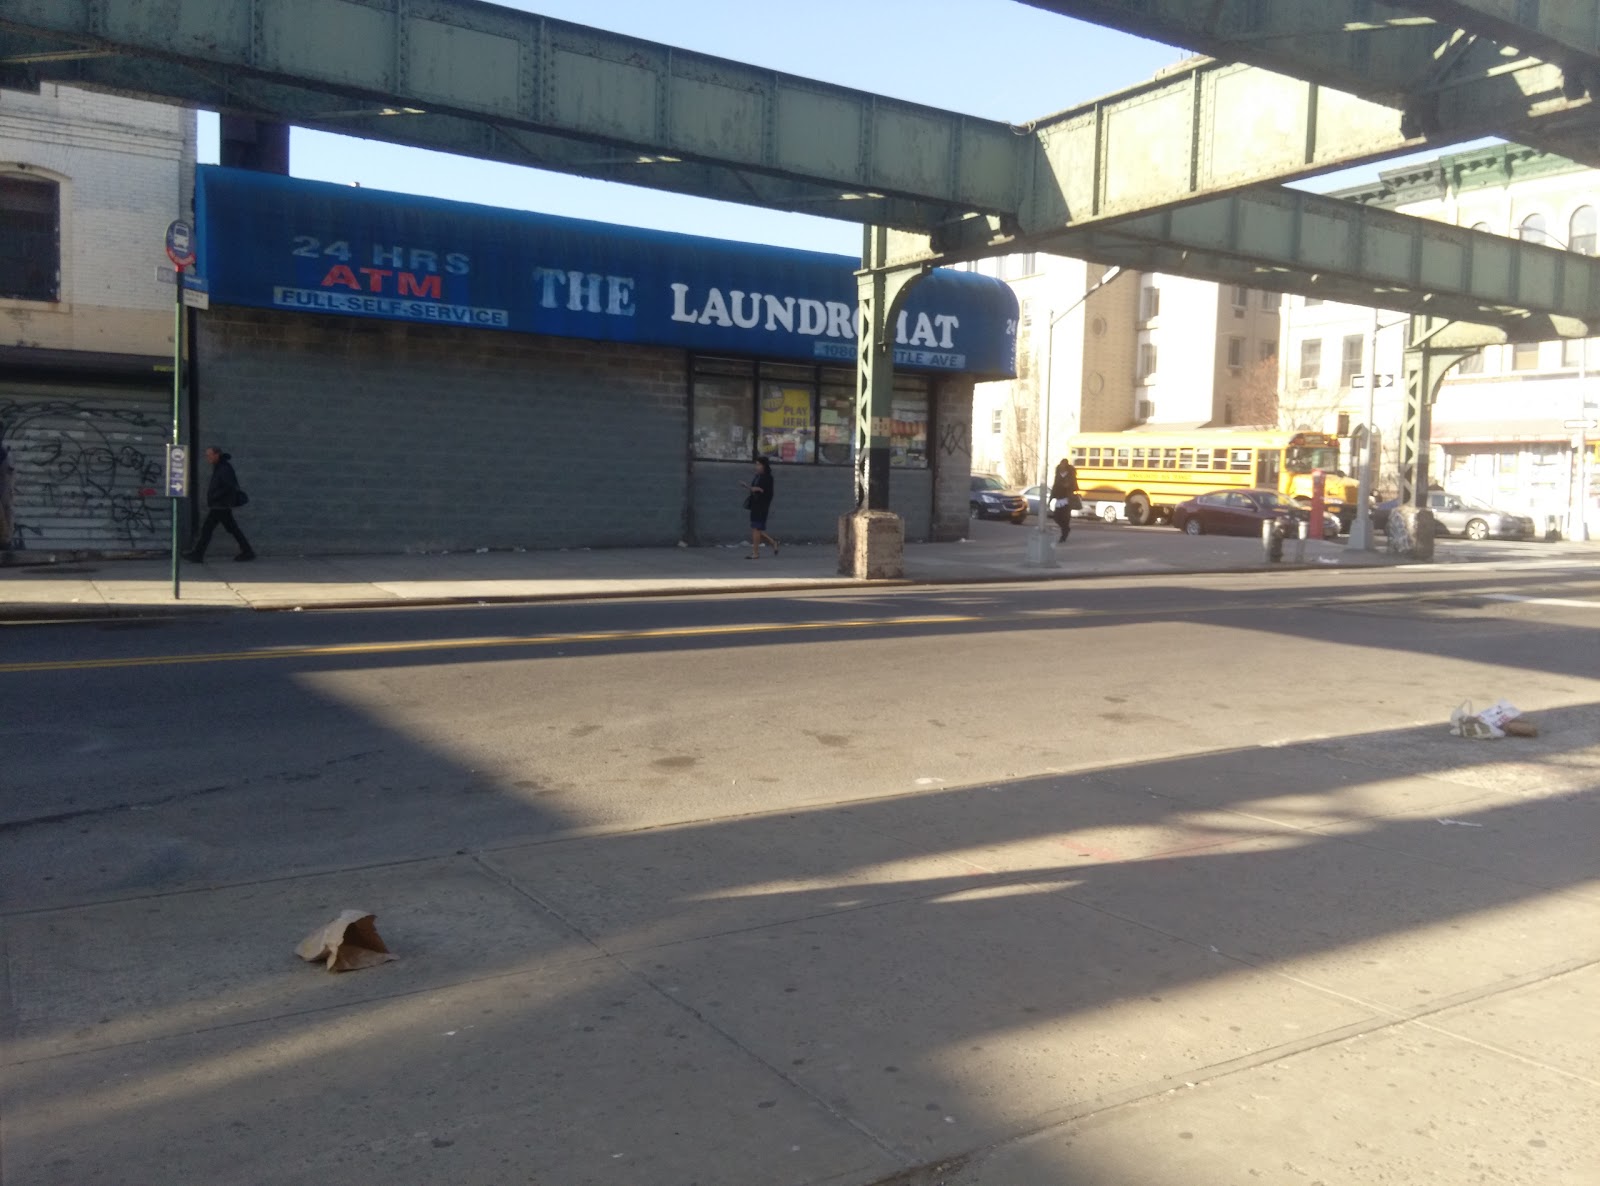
x=158, y=767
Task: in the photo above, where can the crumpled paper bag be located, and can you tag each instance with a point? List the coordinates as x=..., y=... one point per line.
x=348, y=942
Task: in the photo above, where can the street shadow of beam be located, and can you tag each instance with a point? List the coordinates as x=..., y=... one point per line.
x=1121, y=928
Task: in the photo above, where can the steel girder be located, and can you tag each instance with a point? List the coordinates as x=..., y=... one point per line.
x=475, y=78
x=1449, y=66
x=484, y=80
x=1287, y=241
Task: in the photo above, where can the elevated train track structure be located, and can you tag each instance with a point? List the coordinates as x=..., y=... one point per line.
x=1183, y=173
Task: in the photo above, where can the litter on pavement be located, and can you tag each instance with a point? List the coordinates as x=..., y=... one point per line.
x=348, y=942
x=1500, y=719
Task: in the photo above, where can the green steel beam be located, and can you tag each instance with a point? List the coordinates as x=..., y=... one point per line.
x=486, y=81
x=1304, y=243
x=475, y=78
x=1282, y=240
x=535, y=80
x=1446, y=76
x=1556, y=30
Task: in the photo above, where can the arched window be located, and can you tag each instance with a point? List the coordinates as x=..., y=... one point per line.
x=1581, y=231
x=30, y=245
x=1480, y=226
x=1534, y=229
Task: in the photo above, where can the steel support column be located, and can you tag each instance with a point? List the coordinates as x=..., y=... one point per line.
x=881, y=287
x=1426, y=364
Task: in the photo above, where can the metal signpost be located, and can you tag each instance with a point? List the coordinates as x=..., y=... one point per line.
x=1360, y=538
x=180, y=250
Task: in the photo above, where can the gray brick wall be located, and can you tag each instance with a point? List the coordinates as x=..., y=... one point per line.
x=356, y=435
x=952, y=459
x=371, y=436
x=808, y=502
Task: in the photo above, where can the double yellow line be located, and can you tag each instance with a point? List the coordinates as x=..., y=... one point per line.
x=433, y=645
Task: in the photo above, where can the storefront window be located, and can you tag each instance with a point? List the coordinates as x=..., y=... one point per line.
x=836, y=417
x=908, y=436
x=788, y=432
x=798, y=415
x=724, y=410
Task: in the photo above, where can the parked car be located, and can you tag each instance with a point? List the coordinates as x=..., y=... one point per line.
x=1455, y=515
x=990, y=499
x=1108, y=511
x=1241, y=512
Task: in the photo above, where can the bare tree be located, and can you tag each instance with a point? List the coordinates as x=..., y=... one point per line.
x=1259, y=401
x=1021, y=422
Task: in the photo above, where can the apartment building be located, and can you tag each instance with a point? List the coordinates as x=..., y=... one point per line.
x=88, y=184
x=1101, y=351
x=1503, y=424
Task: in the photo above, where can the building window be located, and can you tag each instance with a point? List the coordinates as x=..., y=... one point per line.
x=796, y=414
x=1472, y=364
x=1272, y=301
x=787, y=420
x=1269, y=349
x=1309, y=301
x=908, y=436
x=1525, y=356
x=836, y=417
x=1149, y=303
x=1147, y=361
x=1350, y=363
x=1235, y=353
x=1573, y=354
x=1310, y=362
x=1581, y=231
x=1534, y=229
x=30, y=238
x=1241, y=300
x=1029, y=262
x=997, y=421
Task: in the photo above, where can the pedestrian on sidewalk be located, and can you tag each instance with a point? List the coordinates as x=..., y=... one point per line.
x=1064, y=497
x=759, y=500
x=223, y=495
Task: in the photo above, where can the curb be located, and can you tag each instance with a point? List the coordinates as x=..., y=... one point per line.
x=46, y=612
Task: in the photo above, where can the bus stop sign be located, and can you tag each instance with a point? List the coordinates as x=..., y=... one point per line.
x=180, y=244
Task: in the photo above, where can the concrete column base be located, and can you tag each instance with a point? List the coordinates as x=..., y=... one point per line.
x=1410, y=532
x=872, y=546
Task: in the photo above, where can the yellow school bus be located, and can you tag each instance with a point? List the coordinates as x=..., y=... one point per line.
x=1149, y=473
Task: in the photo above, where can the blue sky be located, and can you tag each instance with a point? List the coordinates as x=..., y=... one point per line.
x=994, y=58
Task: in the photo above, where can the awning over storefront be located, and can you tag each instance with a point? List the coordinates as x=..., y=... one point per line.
x=275, y=242
x=1493, y=432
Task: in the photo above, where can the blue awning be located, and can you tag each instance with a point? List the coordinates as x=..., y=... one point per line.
x=276, y=242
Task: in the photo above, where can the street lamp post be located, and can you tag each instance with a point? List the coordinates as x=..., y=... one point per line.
x=1578, y=492
x=1041, y=551
x=1361, y=529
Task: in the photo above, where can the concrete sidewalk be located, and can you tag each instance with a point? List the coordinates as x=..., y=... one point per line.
x=80, y=587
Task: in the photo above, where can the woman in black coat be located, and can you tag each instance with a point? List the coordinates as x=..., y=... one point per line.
x=1063, y=493
x=759, y=502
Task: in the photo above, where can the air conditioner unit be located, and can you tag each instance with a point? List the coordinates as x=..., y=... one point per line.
x=1307, y=384
x=1147, y=409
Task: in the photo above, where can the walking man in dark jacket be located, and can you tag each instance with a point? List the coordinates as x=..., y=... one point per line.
x=222, y=495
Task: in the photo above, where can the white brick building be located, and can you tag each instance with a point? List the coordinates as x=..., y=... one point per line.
x=88, y=184
x=1499, y=430
x=1145, y=348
